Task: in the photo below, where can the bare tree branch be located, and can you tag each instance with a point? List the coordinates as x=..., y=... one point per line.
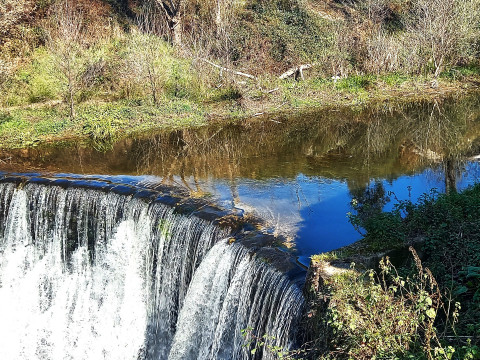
x=230, y=70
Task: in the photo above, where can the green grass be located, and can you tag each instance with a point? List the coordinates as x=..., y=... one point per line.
x=36, y=82
x=22, y=128
x=355, y=83
x=325, y=257
x=228, y=93
x=102, y=123
x=459, y=72
x=395, y=79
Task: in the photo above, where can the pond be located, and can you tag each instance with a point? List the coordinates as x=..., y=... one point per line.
x=298, y=172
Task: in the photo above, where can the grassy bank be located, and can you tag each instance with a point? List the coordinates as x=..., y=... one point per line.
x=28, y=124
x=357, y=90
x=67, y=64
x=102, y=123
x=426, y=308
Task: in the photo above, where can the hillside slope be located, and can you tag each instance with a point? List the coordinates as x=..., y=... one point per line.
x=65, y=64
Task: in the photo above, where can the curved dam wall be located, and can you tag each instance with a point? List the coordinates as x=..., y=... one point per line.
x=99, y=269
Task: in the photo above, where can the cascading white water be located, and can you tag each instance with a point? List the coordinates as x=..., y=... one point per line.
x=87, y=274
x=231, y=292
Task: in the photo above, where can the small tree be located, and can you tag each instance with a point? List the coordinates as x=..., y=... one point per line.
x=148, y=62
x=65, y=42
x=445, y=29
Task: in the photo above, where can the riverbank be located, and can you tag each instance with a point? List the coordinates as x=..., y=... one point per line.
x=101, y=70
x=433, y=294
x=105, y=122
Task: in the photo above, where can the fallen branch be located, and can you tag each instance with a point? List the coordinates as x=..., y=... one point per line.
x=273, y=90
x=230, y=70
x=297, y=71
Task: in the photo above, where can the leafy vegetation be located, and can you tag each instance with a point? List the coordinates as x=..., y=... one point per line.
x=102, y=123
x=386, y=315
x=381, y=314
x=427, y=309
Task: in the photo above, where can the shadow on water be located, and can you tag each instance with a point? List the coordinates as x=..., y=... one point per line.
x=298, y=171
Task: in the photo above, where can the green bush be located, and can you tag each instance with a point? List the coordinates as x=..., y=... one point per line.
x=386, y=316
x=153, y=69
x=394, y=79
x=225, y=94
x=102, y=124
x=448, y=226
x=459, y=72
x=44, y=83
x=269, y=33
x=183, y=81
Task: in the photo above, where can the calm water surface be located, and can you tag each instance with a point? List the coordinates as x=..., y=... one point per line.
x=300, y=173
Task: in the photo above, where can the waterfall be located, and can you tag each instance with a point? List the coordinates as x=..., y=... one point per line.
x=231, y=292
x=92, y=274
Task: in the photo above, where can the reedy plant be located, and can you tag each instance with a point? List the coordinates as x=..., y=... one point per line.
x=386, y=316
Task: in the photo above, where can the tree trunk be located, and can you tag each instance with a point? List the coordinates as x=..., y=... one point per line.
x=176, y=29
x=296, y=71
x=153, y=85
x=218, y=18
x=72, y=106
x=174, y=19
x=450, y=175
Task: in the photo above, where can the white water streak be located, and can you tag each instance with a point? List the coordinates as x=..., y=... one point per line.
x=219, y=306
x=90, y=311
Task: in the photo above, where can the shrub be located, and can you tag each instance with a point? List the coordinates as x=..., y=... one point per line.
x=387, y=316
x=227, y=93
x=449, y=227
x=101, y=124
x=36, y=82
x=43, y=83
x=153, y=69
